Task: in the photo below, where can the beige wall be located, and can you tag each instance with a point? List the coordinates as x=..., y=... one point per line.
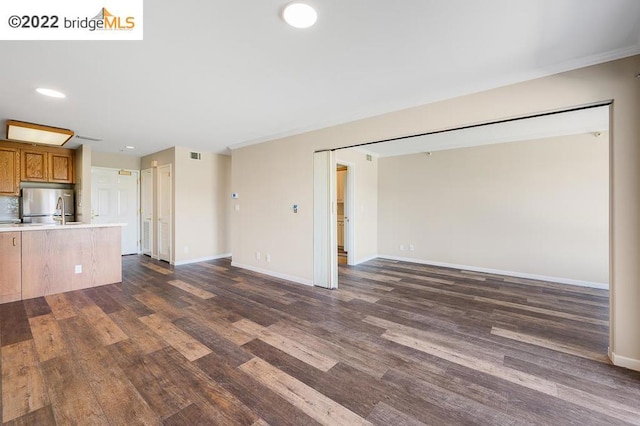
x=365, y=198
x=273, y=175
x=536, y=207
x=115, y=161
x=201, y=194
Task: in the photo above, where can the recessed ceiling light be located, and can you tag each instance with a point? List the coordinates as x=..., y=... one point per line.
x=299, y=15
x=130, y=147
x=50, y=92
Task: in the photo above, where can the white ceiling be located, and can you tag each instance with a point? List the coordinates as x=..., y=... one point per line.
x=213, y=74
x=592, y=120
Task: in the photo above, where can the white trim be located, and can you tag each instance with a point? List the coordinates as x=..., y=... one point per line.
x=274, y=274
x=202, y=259
x=623, y=361
x=580, y=283
x=366, y=259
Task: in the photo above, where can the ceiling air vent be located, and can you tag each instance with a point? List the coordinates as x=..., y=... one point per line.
x=195, y=156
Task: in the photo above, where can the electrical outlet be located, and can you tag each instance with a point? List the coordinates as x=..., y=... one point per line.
x=401, y=247
x=257, y=255
x=78, y=269
x=268, y=258
x=412, y=247
x=186, y=249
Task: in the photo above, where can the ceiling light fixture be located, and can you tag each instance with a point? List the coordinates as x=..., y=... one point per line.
x=299, y=15
x=36, y=133
x=50, y=92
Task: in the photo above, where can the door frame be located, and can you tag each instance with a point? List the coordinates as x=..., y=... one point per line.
x=349, y=211
x=152, y=248
x=138, y=216
x=158, y=209
x=325, y=242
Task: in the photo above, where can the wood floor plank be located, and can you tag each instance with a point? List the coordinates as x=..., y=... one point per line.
x=159, y=305
x=106, y=330
x=23, y=386
x=47, y=337
x=302, y=396
x=569, y=349
x=14, y=324
x=40, y=417
x=302, y=352
x=36, y=307
x=140, y=335
x=470, y=361
x=119, y=399
x=71, y=396
x=217, y=404
x=189, y=347
x=164, y=396
x=385, y=415
x=157, y=268
x=198, y=292
x=60, y=306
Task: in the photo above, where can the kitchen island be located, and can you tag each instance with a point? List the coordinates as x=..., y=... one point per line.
x=38, y=260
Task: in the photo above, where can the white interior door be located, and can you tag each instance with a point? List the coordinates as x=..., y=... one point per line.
x=114, y=199
x=164, y=210
x=146, y=210
x=325, y=244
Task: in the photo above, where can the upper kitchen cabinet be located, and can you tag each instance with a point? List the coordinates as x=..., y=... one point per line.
x=47, y=165
x=9, y=171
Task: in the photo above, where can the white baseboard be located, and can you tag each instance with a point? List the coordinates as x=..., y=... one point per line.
x=201, y=259
x=366, y=259
x=603, y=286
x=623, y=361
x=273, y=274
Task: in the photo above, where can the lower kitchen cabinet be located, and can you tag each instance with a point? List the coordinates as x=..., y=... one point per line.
x=11, y=266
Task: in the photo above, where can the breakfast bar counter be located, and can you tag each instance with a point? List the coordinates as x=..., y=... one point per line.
x=38, y=260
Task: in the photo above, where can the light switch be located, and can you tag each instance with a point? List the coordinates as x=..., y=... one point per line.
x=78, y=269
x=237, y=207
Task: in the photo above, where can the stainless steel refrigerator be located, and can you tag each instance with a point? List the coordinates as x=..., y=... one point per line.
x=39, y=205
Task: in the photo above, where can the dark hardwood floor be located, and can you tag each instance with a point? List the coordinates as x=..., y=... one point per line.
x=397, y=344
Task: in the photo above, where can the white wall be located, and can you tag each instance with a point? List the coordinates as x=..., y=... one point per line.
x=365, y=198
x=273, y=175
x=536, y=207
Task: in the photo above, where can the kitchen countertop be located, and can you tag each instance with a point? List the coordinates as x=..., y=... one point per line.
x=20, y=227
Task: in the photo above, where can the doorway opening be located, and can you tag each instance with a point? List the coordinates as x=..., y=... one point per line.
x=344, y=213
x=440, y=208
x=115, y=197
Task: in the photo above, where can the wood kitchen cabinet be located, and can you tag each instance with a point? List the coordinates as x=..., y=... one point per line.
x=9, y=171
x=42, y=165
x=11, y=266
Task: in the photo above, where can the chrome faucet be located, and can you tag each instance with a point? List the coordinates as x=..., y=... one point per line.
x=60, y=206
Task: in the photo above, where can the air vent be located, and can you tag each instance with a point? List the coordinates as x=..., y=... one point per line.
x=195, y=156
x=369, y=157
